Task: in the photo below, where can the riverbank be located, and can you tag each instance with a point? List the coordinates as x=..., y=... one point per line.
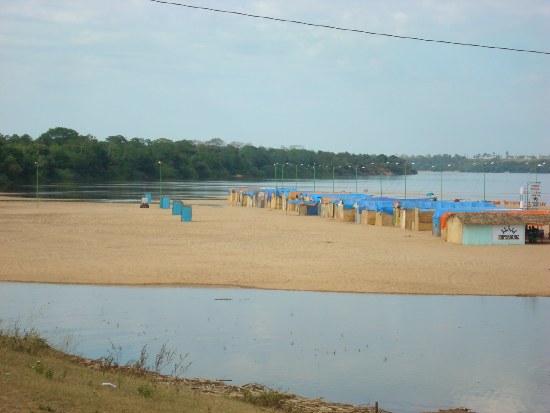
x=34, y=375
x=109, y=243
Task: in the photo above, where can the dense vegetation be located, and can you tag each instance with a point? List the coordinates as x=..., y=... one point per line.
x=64, y=155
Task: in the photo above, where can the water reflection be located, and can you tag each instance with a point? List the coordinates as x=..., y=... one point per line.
x=467, y=186
x=407, y=352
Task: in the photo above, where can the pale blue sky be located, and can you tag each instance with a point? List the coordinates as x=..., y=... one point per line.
x=142, y=69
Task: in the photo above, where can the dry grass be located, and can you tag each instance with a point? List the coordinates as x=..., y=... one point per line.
x=37, y=378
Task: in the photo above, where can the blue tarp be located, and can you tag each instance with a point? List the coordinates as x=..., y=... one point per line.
x=379, y=204
x=463, y=207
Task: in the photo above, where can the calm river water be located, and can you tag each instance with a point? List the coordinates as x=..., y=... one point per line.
x=410, y=353
x=446, y=186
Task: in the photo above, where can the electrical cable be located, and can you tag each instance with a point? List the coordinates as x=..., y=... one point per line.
x=325, y=26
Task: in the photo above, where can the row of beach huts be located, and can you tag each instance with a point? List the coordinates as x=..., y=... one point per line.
x=459, y=222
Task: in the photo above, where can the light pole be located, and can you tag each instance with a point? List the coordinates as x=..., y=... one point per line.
x=356, y=166
x=296, y=176
x=412, y=163
x=441, y=183
x=333, y=178
x=36, y=163
x=275, y=165
x=381, y=194
x=313, y=176
x=283, y=174
x=441, y=186
x=379, y=176
x=160, y=180
x=433, y=169
x=537, y=170
x=484, y=171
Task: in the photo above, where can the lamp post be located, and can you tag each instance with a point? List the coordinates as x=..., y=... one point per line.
x=160, y=180
x=356, y=178
x=296, y=176
x=379, y=176
x=275, y=165
x=537, y=170
x=333, y=178
x=484, y=171
x=441, y=183
x=283, y=175
x=36, y=163
x=441, y=186
x=314, y=176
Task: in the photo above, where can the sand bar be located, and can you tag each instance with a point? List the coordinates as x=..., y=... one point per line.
x=110, y=243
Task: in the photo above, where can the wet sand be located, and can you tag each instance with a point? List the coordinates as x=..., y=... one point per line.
x=102, y=243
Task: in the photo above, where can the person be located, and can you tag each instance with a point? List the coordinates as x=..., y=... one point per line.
x=532, y=233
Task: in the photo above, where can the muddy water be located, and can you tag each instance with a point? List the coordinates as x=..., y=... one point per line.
x=409, y=353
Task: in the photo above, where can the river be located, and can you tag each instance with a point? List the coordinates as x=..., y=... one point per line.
x=446, y=186
x=409, y=353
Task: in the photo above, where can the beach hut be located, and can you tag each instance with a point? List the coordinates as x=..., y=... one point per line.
x=383, y=219
x=328, y=207
x=492, y=228
x=406, y=218
x=232, y=197
x=261, y=199
x=344, y=212
x=422, y=220
x=368, y=217
x=307, y=208
x=277, y=199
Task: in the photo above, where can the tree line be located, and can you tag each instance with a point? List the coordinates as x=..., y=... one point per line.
x=480, y=163
x=63, y=155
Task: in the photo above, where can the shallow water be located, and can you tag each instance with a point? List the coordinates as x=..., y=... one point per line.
x=409, y=353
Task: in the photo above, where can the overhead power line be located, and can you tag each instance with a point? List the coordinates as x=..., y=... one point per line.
x=325, y=26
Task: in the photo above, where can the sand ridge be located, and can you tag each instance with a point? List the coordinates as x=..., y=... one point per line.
x=113, y=243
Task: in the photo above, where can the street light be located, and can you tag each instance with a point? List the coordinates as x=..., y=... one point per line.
x=441, y=182
x=36, y=163
x=356, y=168
x=296, y=176
x=313, y=176
x=275, y=165
x=333, y=178
x=160, y=180
x=484, y=171
x=537, y=171
x=380, y=176
x=283, y=174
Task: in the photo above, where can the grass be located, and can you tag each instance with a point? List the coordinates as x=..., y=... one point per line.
x=37, y=378
x=266, y=398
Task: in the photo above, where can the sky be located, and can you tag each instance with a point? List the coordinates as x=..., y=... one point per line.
x=138, y=68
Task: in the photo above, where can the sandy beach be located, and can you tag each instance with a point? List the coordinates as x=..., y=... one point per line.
x=110, y=243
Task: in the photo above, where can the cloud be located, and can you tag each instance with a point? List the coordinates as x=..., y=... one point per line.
x=58, y=12
x=165, y=57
